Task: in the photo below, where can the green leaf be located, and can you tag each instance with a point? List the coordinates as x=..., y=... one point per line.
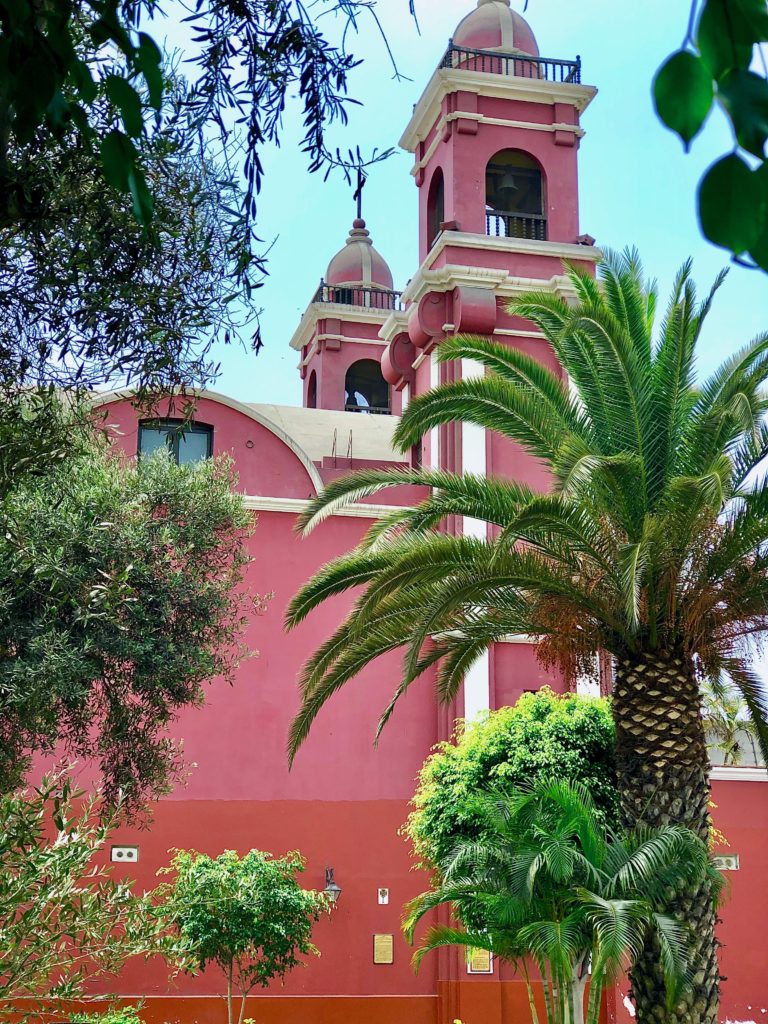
x=759, y=250
x=745, y=97
x=83, y=79
x=143, y=207
x=728, y=195
x=118, y=158
x=683, y=92
x=724, y=39
x=751, y=20
x=149, y=62
x=58, y=112
x=128, y=102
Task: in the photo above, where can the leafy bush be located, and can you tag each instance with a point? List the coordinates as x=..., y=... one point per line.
x=543, y=735
x=114, y=1015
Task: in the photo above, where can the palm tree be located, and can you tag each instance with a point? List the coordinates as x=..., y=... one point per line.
x=652, y=546
x=549, y=882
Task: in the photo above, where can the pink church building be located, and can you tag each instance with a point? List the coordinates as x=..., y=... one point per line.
x=495, y=140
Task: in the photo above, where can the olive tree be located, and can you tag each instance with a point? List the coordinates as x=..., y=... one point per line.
x=120, y=597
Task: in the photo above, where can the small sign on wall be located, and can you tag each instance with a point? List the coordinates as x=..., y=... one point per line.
x=383, y=949
x=479, y=961
x=726, y=862
x=383, y=897
x=124, y=854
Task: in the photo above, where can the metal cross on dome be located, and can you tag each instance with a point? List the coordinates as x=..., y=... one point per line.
x=362, y=177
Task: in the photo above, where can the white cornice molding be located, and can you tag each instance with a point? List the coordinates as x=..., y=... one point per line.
x=505, y=286
x=449, y=80
x=396, y=323
x=265, y=503
x=738, y=773
x=337, y=311
x=503, y=122
x=520, y=246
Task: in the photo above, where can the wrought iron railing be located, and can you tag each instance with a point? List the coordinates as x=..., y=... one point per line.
x=516, y=225
x=352, y=295
x=513, y=65
x=374, y=410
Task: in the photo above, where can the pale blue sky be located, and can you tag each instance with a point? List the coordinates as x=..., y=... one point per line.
x=637, y=186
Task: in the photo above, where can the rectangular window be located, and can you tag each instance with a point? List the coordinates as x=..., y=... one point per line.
x=186, y=442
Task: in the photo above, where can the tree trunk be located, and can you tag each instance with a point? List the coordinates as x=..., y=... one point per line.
x=663, y=779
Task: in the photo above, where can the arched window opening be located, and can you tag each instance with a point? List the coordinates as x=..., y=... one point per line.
x=435, y=207
x=312, y=391
x=514, y=196
x=365, y=388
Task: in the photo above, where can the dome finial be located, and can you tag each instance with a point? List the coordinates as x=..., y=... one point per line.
x=358, y=264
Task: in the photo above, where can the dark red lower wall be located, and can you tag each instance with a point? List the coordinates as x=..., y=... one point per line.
x=360, y=840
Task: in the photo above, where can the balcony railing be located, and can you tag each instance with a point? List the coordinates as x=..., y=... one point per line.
x=352, y=295
x=516, y=225
x=513, y=65
x=372, y=410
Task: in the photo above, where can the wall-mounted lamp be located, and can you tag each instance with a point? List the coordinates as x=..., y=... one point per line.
x=332, y=890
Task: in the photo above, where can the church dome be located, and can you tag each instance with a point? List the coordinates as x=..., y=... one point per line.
x=358, y=263
x=493, y=25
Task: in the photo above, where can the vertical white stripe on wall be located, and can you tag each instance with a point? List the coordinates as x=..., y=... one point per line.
x=477, y=689
x=406, y=392
x=477, y=681
x=473, y=451
x=434, y=434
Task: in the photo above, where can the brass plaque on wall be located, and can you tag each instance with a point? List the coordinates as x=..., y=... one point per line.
x=479, y=961
x=383, y=949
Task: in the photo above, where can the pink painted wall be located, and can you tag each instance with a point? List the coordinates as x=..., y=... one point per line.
x=344, y=800
x=269, y=467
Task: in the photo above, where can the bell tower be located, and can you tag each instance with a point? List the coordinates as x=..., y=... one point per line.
x=495, y=140
x=338, y=337
x=495, y=135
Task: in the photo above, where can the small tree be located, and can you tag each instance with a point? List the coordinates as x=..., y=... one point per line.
x=543, y=735
x=248, y=915
x=63, y=919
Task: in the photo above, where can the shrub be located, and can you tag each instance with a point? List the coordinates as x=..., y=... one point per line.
x=114, y=1015
x=544, y=735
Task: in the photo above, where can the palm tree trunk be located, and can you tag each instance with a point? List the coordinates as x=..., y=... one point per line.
x=663, y=778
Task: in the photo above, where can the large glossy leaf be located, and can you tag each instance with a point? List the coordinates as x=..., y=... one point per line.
x=143, y=206
x=759, y=250
x=728, y=199
x=149, y=62
x=683, y=92
x=745, y=96
x=723, y=38
x=118, y=156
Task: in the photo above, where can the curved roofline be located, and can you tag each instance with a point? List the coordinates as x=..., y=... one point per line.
x=232, y=403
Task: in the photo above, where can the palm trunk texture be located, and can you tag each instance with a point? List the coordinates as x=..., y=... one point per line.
x=663, y=779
